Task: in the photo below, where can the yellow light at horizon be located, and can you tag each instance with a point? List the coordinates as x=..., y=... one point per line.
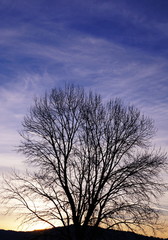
x=38, y=226
x=9, y=222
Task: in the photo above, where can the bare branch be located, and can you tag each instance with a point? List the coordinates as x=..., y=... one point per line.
x=94, y=163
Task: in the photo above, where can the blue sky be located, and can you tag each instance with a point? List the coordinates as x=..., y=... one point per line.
x=118, y=48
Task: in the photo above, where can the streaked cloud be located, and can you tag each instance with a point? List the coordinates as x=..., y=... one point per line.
x=117, y=48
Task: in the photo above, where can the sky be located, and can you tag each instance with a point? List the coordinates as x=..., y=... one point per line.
x=118, y=48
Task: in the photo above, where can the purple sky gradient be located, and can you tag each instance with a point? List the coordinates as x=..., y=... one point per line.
x=117, y=48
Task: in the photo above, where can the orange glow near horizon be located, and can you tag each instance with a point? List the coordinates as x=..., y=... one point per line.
x=9, y=222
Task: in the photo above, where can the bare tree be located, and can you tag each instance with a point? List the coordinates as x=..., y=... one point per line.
x=93, y=163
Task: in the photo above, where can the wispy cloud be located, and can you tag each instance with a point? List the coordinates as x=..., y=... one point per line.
x=92, y=62
x=117, y=48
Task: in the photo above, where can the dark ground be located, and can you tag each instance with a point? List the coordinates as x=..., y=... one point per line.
x=58, y=234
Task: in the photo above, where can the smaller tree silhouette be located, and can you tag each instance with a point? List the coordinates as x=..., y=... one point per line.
x=93, y=164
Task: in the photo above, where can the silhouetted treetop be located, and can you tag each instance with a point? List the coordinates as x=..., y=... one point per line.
x=94, y=163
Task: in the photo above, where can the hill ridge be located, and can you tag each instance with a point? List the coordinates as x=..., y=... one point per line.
x=59, y=232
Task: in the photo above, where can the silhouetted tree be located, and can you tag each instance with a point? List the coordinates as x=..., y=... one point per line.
x=93, y=164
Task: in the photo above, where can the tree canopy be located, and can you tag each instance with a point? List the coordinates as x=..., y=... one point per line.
x=93, y=163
